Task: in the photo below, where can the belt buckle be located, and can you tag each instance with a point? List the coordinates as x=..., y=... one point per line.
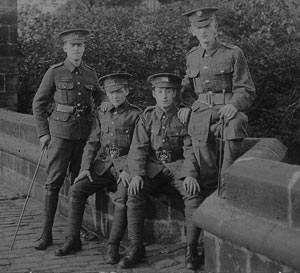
x=114, y=152
x=164, y=156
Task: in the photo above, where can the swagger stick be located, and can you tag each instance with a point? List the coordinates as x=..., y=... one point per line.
x=221, y=148
x=27, y=197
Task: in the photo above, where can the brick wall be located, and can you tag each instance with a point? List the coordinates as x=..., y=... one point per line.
x=256, y=228
x=8, y=54
x=19, y=154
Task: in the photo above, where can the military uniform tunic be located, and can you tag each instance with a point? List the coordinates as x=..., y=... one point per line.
x=110, y=138
x=71, y=91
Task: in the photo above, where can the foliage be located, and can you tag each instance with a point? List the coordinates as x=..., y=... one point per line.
x=143, y=41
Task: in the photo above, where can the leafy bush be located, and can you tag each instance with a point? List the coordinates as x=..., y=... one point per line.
x=143, y=41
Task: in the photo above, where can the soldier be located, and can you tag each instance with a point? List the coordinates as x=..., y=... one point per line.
x=219, y=89
x=159, y=145
x=70, y=87
x=104, y=163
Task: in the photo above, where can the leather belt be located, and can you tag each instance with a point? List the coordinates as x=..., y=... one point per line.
x=212, y=99
x=78, y=109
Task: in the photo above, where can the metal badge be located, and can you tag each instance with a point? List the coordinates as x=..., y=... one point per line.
x=164, y=156
x=114, y=152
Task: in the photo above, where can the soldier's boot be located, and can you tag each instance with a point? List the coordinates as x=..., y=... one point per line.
x=70, y=246
x=116, y=234
x=193, y=233
x=135, y=254
x=232, y=150
x=75, y=214
x=51, y=200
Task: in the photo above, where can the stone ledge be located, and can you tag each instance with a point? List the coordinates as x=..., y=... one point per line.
x=269, y=238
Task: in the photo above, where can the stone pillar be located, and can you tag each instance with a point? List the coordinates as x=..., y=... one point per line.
x=257, y=227
x=8, y=54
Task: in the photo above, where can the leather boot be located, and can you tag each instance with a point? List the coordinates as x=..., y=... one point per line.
x=45, y=241
x=70, y=246
x=191, y=257
x=113, y=255
x=134, y=255
x=51, y=200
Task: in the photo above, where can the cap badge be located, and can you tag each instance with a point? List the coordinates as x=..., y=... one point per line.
x=165, y=79
x=199, y=13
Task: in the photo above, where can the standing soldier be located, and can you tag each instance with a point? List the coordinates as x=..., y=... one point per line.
x=160, y=146
x=219, y=89
x=71, y=86
x=104, y=164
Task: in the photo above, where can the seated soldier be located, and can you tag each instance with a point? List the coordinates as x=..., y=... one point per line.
x=160, y=146
x=104, y=163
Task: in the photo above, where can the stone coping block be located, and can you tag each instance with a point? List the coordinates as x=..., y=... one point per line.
x=272, y=239
x=265, y=188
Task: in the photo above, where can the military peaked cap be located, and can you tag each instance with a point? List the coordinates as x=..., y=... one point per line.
x=115, y=81
x=201, y=17
x=164, y=80
x=76, y=35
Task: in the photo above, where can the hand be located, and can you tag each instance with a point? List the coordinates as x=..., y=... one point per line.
x=184, y=114
x=104, y=105
x=83, y=174
x=228, y=112
x=191, y=185
x=136, y=184
x=44, y=140
x=124, y=178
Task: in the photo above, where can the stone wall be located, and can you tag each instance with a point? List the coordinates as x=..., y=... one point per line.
x=19, y=154
x=257, y=227
x=8, y=54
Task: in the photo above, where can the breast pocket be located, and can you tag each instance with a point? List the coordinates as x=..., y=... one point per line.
x=223, y=77
x=175, y=137
x=124, y=135
x=156, y=138
x=64, y=92
x=194, y=74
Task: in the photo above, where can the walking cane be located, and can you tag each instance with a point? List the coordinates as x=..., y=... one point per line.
x=221, y=148
x=27, y=197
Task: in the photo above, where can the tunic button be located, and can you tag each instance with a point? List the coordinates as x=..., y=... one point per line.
x=177, y=134
x=163, y=116
x=127, y=131
x=222, y=71
x=164, y=127
x=76, y=72
x=163, y=140
x=79, y=93
x=78, y=115
x=78, y=104
x=205, y=67
x=210, y=106
x=112, y=134
x=113, y=122
x=78, y=83
x=207, y=81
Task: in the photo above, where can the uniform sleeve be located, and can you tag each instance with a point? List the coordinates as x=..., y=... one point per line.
x=190, y=165
x=187, y=93
x=242, y=85
x=139, y=149
x=92, y=145
x=41, y=101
